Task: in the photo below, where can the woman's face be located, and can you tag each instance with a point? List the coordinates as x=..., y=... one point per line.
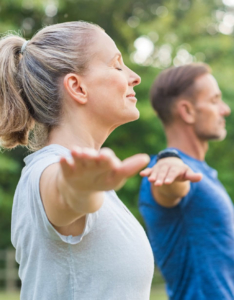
x=111, y=98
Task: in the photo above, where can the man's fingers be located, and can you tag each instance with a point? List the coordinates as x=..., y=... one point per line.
x=131, y=165
x=167, y=175
x=182, y=174
x=193, y=177
x=159, y=175
x=173, y=174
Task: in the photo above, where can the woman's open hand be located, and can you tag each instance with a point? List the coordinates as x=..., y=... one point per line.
x=91, y=170
x=74, y=187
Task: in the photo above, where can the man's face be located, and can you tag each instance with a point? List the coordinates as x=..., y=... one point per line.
x=210, y=110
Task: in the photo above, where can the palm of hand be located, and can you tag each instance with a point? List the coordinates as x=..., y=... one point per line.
x=169, y=170
x=90, y=170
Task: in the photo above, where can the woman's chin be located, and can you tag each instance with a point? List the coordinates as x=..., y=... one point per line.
x=137, y=115
x=133, y=116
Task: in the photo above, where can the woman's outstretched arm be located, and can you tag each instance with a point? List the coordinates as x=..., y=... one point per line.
x=72, y=189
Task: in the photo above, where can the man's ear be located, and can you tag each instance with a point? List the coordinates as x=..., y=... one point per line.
x=75, y=88
x=185, y=109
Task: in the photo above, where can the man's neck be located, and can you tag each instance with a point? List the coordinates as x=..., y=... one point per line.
x=185, y=139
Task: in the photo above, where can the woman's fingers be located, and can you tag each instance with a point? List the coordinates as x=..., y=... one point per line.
x=108, y=159
x=87, y=159
x=84, y=157
x=146, y=172
x=132, y=165
x=67, y=167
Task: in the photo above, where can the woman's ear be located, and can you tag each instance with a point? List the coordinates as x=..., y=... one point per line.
x=75, y=88
x=185, y=110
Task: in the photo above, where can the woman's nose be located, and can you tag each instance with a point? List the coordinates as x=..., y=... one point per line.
x=134, y=79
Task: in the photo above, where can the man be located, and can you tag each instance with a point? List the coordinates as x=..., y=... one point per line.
x=190, y=224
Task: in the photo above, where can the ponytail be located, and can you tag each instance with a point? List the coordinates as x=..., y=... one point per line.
x=15, y=119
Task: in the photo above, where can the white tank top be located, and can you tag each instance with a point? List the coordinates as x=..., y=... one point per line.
x=110, y=260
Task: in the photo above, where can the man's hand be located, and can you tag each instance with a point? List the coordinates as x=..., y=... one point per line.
x=168, y=170
x=170, y=179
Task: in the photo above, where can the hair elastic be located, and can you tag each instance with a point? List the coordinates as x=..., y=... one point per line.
x=23, y=47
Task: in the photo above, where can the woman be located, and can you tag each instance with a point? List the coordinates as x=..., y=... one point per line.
x=62, y=93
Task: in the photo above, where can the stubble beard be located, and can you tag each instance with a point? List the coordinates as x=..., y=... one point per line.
x=212, y=136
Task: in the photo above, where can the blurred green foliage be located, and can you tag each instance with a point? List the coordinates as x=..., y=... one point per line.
x=180, y=31
x=9, y=174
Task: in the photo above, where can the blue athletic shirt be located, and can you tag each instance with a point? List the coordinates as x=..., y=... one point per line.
x=193, y=242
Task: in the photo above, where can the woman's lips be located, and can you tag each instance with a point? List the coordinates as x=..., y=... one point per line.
x=132, y=97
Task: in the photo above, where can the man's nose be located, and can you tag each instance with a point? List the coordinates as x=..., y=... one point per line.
x=225, y=109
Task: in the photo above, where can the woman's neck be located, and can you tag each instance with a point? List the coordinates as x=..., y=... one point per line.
x=78, y=133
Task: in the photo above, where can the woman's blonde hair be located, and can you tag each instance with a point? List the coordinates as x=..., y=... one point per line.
x=30, y=91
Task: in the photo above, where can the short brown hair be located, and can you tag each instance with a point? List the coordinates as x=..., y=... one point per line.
x=173, y=83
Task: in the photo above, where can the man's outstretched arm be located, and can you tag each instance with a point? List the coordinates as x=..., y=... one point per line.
x=170, y=180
